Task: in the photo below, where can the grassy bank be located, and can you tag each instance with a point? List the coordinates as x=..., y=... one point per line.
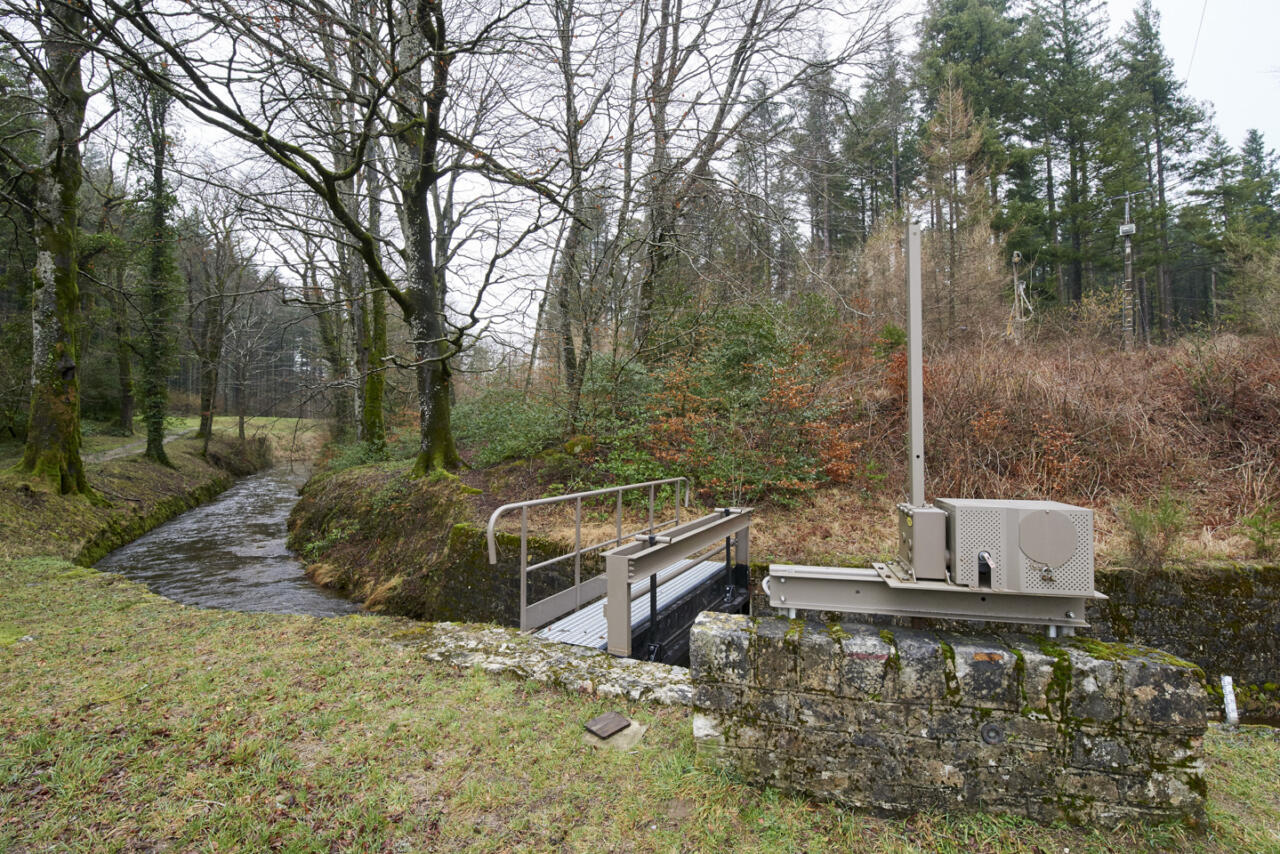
x=136, y=494
x=132, y=723
x=414, y=547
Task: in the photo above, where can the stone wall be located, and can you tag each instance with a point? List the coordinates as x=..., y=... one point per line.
x=896, y=720
x=1225, y=620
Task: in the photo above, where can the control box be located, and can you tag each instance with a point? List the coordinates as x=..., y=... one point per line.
x=922, y=541
x=1040, y=547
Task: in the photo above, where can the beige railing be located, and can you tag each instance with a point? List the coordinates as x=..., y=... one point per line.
x=536, y=614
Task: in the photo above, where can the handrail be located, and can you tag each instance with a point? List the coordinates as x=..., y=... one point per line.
x=535, y=502
x=681, y=484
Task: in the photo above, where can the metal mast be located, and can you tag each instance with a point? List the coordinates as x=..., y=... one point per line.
x=1128, y=307
x=915, y=365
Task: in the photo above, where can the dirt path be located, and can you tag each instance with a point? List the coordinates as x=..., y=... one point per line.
x=131, y=448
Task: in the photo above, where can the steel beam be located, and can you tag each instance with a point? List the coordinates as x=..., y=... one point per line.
x=863, y=591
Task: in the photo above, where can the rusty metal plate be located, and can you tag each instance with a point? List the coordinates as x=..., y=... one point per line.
x=610, y=723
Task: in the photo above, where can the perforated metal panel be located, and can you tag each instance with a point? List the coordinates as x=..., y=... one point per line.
x=1074, y=575
x=976, y=525
x=973, y=530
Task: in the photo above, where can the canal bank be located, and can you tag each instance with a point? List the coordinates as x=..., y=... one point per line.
x=133, y=495
x=230, y=553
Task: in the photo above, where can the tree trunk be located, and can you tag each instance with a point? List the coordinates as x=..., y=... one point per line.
x=52, y=450
x=372, y=424
x=1075, y=282
x=436, y=449
x=238, y=397
x=157, y=298
x=1063, y=296
x=124, y=355
x=208, y=357
x=1164, y=278
x=373, y=377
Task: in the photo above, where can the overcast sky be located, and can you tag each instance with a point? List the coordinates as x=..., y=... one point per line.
x=1235, y=66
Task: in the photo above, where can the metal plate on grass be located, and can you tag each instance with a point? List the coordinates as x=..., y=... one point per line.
x=610, y=723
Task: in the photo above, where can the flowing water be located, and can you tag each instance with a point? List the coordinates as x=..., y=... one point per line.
x=231, y=554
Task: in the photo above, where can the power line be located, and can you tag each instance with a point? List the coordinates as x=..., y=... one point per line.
x=1196, y=43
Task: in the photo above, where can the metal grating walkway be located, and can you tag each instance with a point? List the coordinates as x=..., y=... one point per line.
x=587, y=626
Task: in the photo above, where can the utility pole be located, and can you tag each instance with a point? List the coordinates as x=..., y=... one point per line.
x=1021, y=309
x=1127, y=306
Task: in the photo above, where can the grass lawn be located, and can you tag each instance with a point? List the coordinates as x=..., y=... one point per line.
x=100, y=437
x=128, y=722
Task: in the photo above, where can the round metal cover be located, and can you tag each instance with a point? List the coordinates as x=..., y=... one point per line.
x=1047, y=537
x=992, y=733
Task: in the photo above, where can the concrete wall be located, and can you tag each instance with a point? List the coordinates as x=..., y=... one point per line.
x=896, y=720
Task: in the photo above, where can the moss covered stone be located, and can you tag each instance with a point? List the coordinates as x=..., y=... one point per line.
x=958, y=723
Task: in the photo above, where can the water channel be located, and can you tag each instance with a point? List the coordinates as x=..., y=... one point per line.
x=231, y=553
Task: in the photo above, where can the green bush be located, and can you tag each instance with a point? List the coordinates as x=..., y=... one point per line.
x=747, y=416
x=615, y=393
x=352, y=454
x=1152, y=529
x=1262, y=527
x=504, y=424
x=890, y=339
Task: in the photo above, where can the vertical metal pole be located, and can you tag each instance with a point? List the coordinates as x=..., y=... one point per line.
x=678, y=502
x=1128, y=288
x=653, y=611
x=618, y=517
x=577, y=554
x=524, y=561
x=915, y=365
x=651, y=508
x=728, y=551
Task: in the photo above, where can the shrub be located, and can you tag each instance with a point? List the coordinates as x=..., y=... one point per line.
x=614, y=394
x=504, y=424
x=1262, y=527
x=1152, y=529
x=351, y=454
x=890, y=339
x=760, y=427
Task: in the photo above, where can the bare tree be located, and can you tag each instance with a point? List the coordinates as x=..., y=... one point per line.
x=697, y=62
x=252, y=70
x=215, y=259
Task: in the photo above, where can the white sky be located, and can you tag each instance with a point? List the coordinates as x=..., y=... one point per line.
x=1235, y=67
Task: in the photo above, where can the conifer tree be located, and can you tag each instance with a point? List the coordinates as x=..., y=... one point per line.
x=1067, y=100
x=1166, y=127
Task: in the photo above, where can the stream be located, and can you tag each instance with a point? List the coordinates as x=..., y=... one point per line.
x=231, y=553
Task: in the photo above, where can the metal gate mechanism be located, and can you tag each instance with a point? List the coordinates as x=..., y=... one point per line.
x=958, y=558
x=1025, y=562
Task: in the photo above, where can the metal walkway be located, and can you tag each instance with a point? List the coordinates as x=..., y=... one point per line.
x=588, y=626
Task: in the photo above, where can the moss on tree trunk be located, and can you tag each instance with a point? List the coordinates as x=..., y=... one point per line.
x=53, y=435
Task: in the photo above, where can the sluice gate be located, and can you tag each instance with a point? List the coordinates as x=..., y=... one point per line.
x=637, y=592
